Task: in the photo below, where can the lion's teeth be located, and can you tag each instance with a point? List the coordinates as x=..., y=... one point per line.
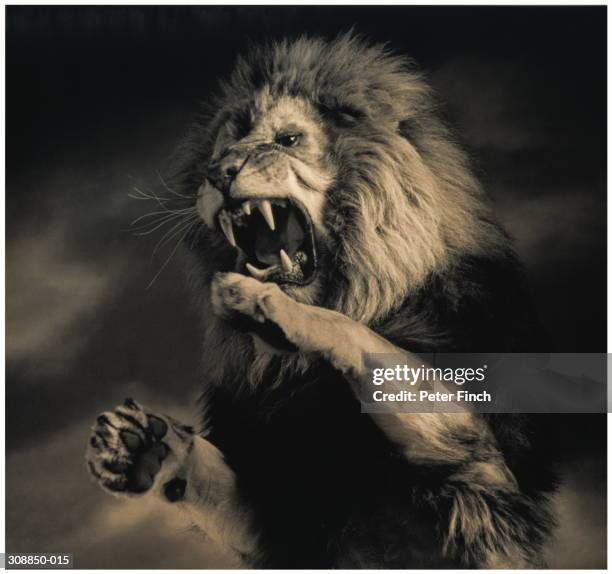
x=266, y=211
x=246, y=207
x=257, y=273
x=228, y=229
x=286, y=261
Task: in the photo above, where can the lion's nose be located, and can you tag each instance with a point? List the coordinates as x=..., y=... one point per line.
x=222, y=173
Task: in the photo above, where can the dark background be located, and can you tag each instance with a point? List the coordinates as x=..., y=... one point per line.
x=97, y=98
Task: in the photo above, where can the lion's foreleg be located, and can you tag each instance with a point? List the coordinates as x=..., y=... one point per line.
x=211, y=500
x=485, y=520
x=134, y=452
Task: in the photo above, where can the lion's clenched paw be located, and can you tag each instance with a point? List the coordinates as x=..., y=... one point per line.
x=132, y=450
x=233, y=294
x=270, y=313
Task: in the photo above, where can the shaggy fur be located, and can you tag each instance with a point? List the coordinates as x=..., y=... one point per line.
x=410, y=252
x=417, y=255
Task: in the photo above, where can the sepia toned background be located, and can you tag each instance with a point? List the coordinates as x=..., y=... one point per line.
x=97, y=99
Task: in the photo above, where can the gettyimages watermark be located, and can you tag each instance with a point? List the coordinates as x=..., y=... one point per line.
x=484, y=382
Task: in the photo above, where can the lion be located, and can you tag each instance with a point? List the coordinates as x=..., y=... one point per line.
x=337, y=216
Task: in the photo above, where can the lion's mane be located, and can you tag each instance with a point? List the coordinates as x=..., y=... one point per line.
x=405, y=203
x=404, y=213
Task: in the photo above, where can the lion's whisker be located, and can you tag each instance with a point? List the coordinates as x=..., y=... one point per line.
x=163, y=212
x=170, y=234
x=153, y=226
x=141, y=197
x=152, y=196
x=152, y=282
x=173, y=234
x=139, y=229
x=138, y=193
x=172, y=191
x=167, y=233
x=180, y=220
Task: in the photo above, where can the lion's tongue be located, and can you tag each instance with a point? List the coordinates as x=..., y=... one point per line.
x=288, y=236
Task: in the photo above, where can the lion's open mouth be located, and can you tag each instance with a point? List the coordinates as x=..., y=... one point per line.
x=277, y=237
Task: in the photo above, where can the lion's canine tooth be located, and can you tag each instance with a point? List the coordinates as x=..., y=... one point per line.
x=228, y=229
x=246, y=207
x=266, y=211
x=257, y=273
x=286, y=261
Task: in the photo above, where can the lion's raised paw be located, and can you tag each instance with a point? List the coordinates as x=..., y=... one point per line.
x=259, y=308
x=131, y=449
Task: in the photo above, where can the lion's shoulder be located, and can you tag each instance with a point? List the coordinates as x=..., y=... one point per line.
x=476, y=304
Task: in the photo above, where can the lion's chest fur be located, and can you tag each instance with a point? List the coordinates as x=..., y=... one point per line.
x=326, y=486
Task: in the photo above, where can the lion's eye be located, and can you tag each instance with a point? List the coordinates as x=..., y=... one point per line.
x=287, y=140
